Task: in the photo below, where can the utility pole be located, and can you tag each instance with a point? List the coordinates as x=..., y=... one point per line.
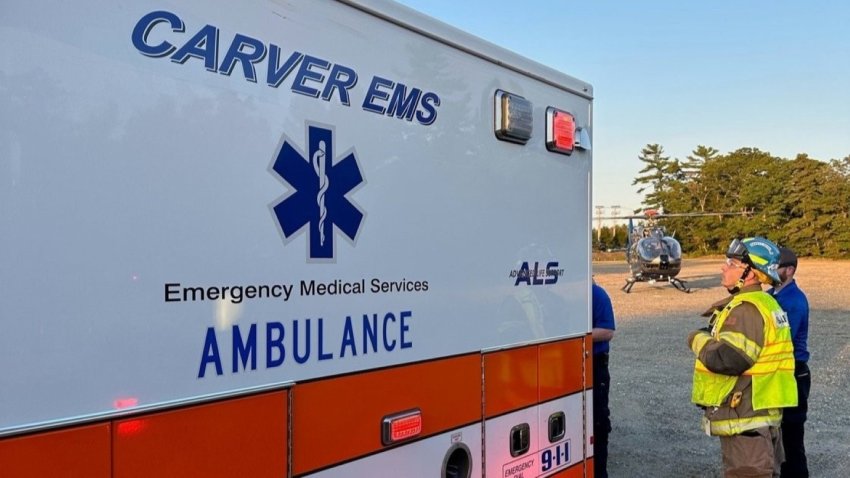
x=599, y=211
x=615, y=211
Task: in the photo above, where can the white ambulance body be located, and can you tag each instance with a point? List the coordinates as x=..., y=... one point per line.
x=288, y=238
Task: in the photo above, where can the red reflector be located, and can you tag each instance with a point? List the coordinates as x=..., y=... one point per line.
x=131, y=427
x=401, y=427
x=128, y=402
x=560, y=131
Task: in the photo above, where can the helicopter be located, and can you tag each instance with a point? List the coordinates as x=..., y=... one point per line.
x=651, y=253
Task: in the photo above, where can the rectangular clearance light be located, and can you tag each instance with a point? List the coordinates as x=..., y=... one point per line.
x=560, y=131
x=513, y=117
x=402, y=426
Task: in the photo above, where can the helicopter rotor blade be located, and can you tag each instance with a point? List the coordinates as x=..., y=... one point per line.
x=679, y=214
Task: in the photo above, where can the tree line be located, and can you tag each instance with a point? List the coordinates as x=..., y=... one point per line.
x=802, y=203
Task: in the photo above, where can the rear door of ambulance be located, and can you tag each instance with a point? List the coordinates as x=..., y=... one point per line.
x=284, y=239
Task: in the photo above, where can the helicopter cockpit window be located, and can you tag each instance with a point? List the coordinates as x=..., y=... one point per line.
x=650, y=248
x=674, y=247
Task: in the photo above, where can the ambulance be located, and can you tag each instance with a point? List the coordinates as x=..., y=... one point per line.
x=324, y=238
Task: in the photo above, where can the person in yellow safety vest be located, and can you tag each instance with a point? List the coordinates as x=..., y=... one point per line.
x=744, y=372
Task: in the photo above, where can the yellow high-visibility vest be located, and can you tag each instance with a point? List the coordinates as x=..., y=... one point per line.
x=773, y=382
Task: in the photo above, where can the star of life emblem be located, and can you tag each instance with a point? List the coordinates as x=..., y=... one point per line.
x=318, y=201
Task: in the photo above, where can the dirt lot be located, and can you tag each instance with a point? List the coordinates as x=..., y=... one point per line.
x=656, y=428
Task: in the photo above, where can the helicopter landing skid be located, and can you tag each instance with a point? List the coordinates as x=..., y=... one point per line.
x=680, y=285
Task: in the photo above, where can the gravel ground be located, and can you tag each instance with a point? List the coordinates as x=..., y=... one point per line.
x=656, y=428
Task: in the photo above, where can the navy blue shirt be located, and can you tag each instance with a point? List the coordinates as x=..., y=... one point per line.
x=603, y=316
x=793, y=301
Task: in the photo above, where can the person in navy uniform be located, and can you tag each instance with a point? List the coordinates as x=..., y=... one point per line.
x=794, y=302
x=602, y=333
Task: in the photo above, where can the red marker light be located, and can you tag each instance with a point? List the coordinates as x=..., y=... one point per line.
x=401, y=427
x=560, y=131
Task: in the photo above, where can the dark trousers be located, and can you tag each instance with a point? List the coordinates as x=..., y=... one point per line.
x=793, y=420
x=601, y=415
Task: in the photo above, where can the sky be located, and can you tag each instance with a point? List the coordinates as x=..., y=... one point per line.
x=767, y=74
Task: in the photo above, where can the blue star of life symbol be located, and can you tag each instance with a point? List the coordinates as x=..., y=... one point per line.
x=320, y=188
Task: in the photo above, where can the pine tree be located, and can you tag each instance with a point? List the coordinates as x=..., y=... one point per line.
x=657, y=175
x=818, y=203
x=802, y=203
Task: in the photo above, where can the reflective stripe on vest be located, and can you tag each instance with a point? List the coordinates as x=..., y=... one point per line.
x=739, y=425
x=772, y=373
